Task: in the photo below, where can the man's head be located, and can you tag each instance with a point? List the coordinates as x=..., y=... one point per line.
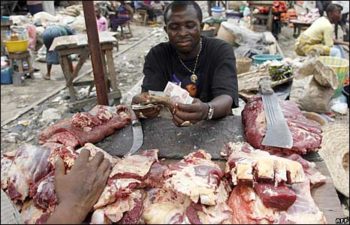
x=183, y=25
x=334, y=13
x=97, y=12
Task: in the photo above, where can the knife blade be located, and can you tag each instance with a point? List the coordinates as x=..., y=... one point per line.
x=277, y=132
x=137, y=134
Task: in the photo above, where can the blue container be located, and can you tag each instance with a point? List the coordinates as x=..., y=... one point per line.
x=6, y=76
x=259, y=59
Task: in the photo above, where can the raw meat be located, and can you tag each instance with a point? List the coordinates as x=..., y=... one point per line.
x=307, y=134
x=126, y=175
x=30, y=164
x=280, y=197
x=87, y=127
x=196, y=176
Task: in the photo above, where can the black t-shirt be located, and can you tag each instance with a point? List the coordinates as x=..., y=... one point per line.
x=216, y=70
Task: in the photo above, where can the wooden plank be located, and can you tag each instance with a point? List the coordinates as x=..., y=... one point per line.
x=64, y=61
x=111, y=69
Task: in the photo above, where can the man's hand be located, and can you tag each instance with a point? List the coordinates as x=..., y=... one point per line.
x=80, y=189
x=193, y=113
x=143, y=98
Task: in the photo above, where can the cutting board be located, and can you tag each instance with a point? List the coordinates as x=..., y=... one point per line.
x=175, y=142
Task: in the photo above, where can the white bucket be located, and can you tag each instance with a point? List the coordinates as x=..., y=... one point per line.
x=217, y=12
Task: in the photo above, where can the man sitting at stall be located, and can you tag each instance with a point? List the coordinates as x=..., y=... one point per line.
x=204, y=66
x=318, y=38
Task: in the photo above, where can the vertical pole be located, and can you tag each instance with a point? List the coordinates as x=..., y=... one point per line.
x=95, y=49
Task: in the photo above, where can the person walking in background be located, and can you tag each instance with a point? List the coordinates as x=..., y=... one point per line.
x=34, y=7
x=52, y=57
x=101, y=21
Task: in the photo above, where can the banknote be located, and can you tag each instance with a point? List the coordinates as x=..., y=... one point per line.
x=177, y=94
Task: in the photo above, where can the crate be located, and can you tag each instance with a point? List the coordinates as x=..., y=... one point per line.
x=6, y=75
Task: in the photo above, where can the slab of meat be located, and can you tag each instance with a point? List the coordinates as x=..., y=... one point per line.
x=30, y=164
x=304, y=210
x=249, y=165
x=280, y=197
x=87, y=127
x=43, y=193
x=247, y=207
x=128, y=174
x=307, y=134
x=264, y=201
x=196, y=176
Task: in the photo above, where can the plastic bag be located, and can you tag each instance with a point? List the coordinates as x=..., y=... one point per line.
x=313, y=86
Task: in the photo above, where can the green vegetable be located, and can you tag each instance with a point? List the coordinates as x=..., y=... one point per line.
x=280, y=72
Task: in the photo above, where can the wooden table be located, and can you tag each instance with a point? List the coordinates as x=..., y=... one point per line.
x=175, y=142
x=297, y=26
x=78, y=44
x=268, y=17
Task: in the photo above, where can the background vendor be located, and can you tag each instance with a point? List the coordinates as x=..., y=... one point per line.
x=318, y=38
x=204, y=66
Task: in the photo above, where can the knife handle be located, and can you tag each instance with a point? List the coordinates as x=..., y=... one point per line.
x=265, y=86
x=134, y=120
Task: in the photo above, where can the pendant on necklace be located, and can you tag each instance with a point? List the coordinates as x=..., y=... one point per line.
x=194, y=78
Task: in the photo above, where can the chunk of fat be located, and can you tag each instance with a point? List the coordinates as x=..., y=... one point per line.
x=244, y=170
x=196, y=187
x=265, y=168
x=135, y=164
x=296, y=171
x=163, y=212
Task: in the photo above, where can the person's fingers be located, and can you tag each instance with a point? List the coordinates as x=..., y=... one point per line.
x=97, y=160
x=178, y=121
x=105, y=165
x=59, y=167
x=83, y=157
x=186, y=116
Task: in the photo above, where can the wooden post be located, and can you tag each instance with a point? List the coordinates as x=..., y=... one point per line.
x=95, y=49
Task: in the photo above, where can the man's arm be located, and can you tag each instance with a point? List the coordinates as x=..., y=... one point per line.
x=340, y=42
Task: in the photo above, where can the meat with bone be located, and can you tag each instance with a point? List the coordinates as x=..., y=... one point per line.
x=126, y=175
x=92, y=126
x=249, y=165
x=196, y=176
x=30, y=164
x=307, y=134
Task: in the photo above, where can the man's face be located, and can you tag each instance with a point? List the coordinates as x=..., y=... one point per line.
x=183, y=29
x=335, y=16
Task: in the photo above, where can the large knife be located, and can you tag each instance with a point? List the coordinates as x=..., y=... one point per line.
x=277, y=133
x=137, y=134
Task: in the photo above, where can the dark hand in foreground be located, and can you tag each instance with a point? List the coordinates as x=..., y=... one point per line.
x=80, y=189
x=192, y=113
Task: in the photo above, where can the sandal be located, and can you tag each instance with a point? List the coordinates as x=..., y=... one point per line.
x=46, y=77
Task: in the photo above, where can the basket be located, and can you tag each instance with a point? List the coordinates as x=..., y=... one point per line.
x=340, y=67
x=243, y=65
x=259, y=59
x=16, y=46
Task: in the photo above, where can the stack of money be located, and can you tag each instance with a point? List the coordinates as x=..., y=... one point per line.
x=177, y=94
